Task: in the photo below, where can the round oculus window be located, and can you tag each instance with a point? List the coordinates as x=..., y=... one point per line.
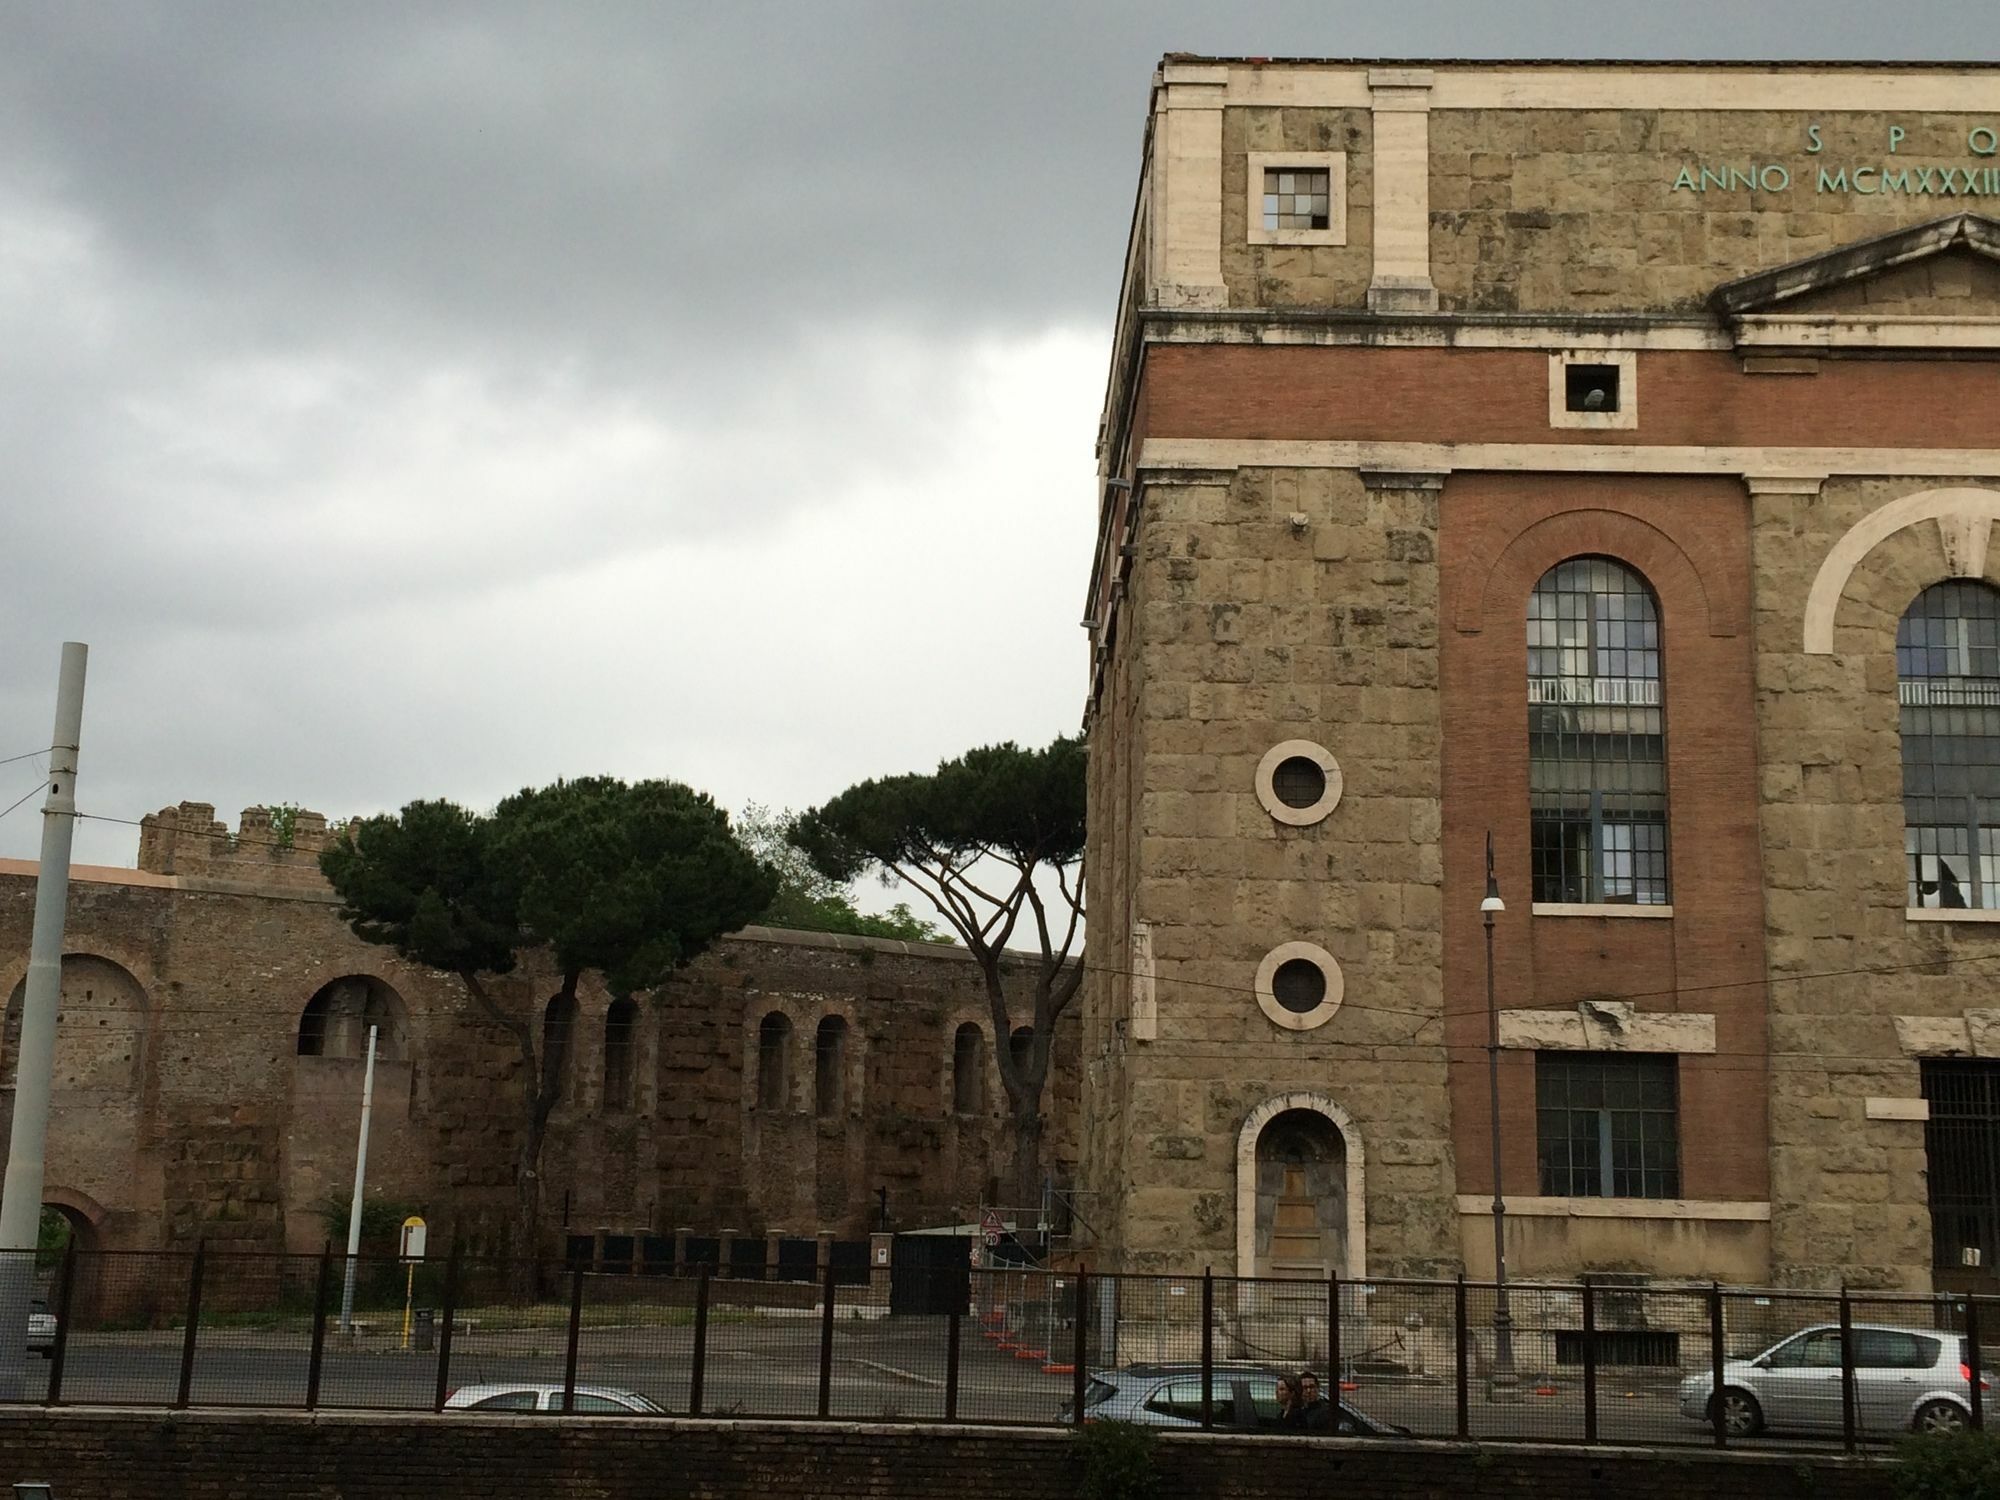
x=1299, y=985
x=1299, y=781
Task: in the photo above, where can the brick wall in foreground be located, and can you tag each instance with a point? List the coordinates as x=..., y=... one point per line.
x=120, y=1455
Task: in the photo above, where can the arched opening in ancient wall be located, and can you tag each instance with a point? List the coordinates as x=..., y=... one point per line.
x=830, y=1068
x=558, y=1049
x=620, y=1025
x=774, y=1065
x=968, y=1070
x=335, y=1021
x=1300, y=1191
x=103, y=1031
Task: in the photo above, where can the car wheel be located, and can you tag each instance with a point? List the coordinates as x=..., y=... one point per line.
x=1940, y=1416
x=1741, y=1415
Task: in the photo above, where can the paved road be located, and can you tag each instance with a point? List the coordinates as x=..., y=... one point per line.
x=882, y=1369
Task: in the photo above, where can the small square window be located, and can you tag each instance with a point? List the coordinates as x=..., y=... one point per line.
x=1297, y=198
x=1590, y=387
x=1594, y=388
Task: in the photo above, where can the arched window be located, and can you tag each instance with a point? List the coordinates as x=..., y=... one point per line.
x=968, y=1070
x=774, y=1077
x=619, y=1021
x=830, y=1068
x=1597, y=764
x=336, y=1019
x=1948, y=684
x=312, y=1026
x=558, y=1030
x=1022, y=1045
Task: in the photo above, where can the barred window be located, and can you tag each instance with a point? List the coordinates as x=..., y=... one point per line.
x=1608, y=1124
x=1597, y=772
x=1948, y=687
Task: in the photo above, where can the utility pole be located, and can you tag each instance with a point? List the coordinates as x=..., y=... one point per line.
x=360, y=1178
x=34, y=1065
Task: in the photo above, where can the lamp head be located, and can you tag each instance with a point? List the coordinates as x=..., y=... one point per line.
x=1492, y=903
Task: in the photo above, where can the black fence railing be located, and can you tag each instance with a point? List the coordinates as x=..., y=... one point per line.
x=938, y=1340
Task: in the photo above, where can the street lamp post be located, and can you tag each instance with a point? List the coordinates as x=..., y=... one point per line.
x=1503, y=1322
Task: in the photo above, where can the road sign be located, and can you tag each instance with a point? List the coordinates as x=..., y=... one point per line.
x=992, y=1226
x=415, y=1232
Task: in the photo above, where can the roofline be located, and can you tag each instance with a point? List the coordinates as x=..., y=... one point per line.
x=1789, y=65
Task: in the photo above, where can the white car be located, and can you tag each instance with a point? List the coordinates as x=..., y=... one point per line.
x=590, y=1400
x=41, y=1330
x=1905, y=1379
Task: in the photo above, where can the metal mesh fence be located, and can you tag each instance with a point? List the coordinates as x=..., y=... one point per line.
x=938, y=1340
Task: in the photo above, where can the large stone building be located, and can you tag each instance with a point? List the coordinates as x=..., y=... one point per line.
x=1601, y=457
x=209, y=1067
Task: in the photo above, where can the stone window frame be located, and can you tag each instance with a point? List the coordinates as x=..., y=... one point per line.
x=1319, y=1015
x=1267, y=792
x=1333, y=163
x=1626, y=418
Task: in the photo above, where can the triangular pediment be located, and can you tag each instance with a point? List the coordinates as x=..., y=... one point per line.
x=1933, y=286
x=1958, y=240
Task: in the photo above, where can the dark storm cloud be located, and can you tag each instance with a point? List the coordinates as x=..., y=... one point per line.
x=408, y=399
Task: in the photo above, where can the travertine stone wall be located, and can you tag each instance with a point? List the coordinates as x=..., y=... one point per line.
x=1257, y=630
x=1848, y=1193
x=1297, y=275
x=1576, y=210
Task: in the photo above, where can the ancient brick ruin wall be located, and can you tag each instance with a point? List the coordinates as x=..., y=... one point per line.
x=183, y=1109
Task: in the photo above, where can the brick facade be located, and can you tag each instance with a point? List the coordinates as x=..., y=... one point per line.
x=183, y=1109
x=1334, y=472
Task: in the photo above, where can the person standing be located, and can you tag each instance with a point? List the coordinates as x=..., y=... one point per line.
x=1315, y=1412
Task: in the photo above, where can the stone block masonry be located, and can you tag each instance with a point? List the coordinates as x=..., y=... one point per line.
x=203, y=1455
x=208, y=1071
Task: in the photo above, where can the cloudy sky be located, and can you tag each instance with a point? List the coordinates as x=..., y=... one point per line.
x=417, y=400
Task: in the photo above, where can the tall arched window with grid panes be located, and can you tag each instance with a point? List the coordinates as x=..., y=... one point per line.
x=1597, y=740
x=1948, y=687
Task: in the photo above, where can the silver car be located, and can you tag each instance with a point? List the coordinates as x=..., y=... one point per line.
x=1242, y=1398
x=526, y=1396
x=1904, y=1379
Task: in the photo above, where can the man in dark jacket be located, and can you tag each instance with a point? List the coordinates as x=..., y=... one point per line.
x=1315, y=1411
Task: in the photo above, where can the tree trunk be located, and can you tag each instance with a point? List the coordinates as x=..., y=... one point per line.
x=524, y=1278
x=1027, y=1186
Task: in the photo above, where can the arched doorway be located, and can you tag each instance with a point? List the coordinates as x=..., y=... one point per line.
x=1300, y=1191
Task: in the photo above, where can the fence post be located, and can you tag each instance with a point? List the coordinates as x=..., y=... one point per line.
x=951, y=1363
x=193, y=1324
x=63, y=1302
x=315, y=1361
x=1080, y=1355
x=1715, y=1360
x=700, y=1342
x=826, y=1348
x=1207, y=1348
x=1973, y=1361
x=1589, y=1362
x=1333, y=1366
x=575, y=1332
x=1459, y=1352
x=1846, y=1370
x=449, y=1314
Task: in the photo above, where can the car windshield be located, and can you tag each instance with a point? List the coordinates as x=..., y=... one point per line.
x=1097, y=1393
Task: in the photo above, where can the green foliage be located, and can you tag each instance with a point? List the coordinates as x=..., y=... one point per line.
x=1117, y=1461
x=419, y=882
x=284, y=824
x=1025, y=806
x=631, y=881
x=54, y=1232
x=811, y=902
x=381, y=1222
x=1948, y=1466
